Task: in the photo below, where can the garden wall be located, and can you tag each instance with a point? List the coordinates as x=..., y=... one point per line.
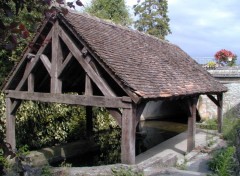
x=230, y=77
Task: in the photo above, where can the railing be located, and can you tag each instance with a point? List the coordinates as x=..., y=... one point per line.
x=203, y=60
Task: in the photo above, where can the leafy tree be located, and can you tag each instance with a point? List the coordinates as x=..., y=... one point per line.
x=19, y=21
x=114, y=10
x=152, y=17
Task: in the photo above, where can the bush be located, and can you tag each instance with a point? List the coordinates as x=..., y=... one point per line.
x=230, y=124
x=223, y=162
x=47, y=124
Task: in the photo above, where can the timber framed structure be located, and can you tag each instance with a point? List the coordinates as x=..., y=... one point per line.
x=80, y=60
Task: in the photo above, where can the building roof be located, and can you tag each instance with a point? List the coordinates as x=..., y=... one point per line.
x=147, y=66
x=151, y=67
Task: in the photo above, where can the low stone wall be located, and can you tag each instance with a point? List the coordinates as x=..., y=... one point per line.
x=58, y=153
x=230, y=77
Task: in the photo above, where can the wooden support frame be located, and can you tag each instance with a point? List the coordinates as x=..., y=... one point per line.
x=219, y=103
x=57, y=57
x=128, y=135
x=192, y=124
x=85, y=65
x=89, y=111
x=10, y=124
x=219, y=112
x=99, y=101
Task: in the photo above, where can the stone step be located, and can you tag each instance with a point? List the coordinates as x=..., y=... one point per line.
x=171, y=172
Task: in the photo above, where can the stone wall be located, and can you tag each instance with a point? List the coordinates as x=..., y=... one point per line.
x=230, y=77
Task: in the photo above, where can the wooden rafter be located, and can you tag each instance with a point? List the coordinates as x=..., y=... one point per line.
x=133, y=96
x=46, y=62
x=89, y=70
x=214, y=100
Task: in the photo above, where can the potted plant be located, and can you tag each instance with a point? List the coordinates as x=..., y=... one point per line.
x=225, y=57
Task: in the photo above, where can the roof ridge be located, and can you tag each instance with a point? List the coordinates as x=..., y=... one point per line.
x=111, y=23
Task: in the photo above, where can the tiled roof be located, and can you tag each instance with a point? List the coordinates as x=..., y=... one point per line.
x=151, y=67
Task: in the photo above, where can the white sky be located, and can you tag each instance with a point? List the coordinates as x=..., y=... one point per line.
x=202, y=27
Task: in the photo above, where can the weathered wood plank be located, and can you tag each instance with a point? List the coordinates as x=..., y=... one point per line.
x=33, y=63
x=65, y=63
x=192, y=125
x=46, y=62
x=99, y=101
x=31, y=82
x=85, y=65
x=133, y=96
x=10, y=124
x=219, y=112
x=139, y=110
x=29, y=50
x=57, y=57
x=88, y=86
x=117, y=115
x=128, y=136
x=15, y=106
x=214, y=100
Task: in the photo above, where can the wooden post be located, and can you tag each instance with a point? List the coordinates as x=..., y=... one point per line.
x=219, y=111
x=10, y=124
x=128, y=136
x=31, y=82
x=89, y=113
x=57, y=57
x=192, y=124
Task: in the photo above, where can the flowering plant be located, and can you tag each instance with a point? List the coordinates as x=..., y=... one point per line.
x=225, y=56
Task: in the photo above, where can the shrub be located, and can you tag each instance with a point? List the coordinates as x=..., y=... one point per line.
x=223, y=162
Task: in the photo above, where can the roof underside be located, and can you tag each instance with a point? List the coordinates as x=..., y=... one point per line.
x=152, y=68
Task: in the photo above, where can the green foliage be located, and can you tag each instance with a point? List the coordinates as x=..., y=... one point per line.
x=211, y=64
x=223, y=163
x=114, y=10
x=48, y=124
x=103, y=120
x=46, y=171
x=2, y=117
x=230, y=124
x=152, y=17
x=125, y=171
x=210, y=124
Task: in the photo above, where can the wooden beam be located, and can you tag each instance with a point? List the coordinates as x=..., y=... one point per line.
x=10, y=124
x=192, y=125
x=65, y=63
x=29, y=50
x=133, y=96
x=85, y=65
x=140, y=108
x=88, y=86
x=89, y=112
x=128, y=136
x=57, y=57
x=31, y=82
x=15, y=106
x=219, y=112
x=33, y=63
x=46, y=62
x=117, y=115
x=214, y=100
x=99, y=101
